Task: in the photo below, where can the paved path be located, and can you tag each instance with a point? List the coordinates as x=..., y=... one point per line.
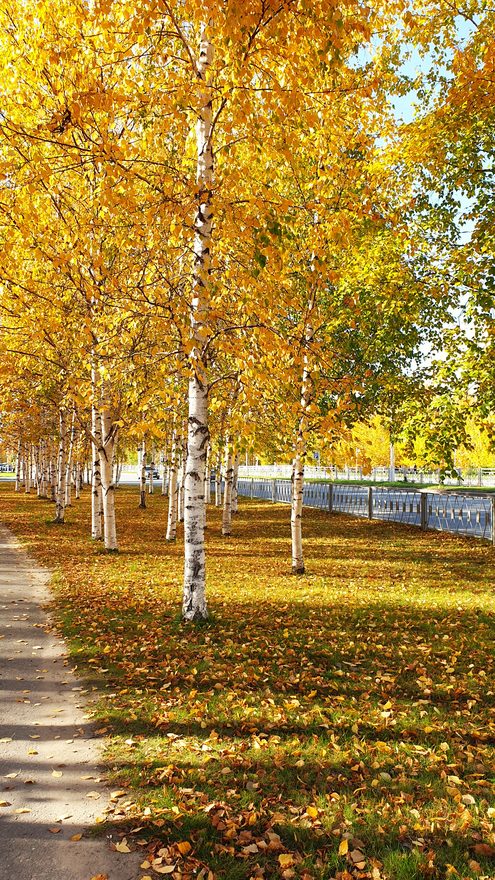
x=50, y=785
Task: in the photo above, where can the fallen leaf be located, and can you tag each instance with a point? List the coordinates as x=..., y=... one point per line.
x=57, y=773
x=76, y=837
x=54, y=830
x=484, y=849
x=184, y=847
x=312, y=812
x=343, y=847
x=286, y=860
x=122, y=846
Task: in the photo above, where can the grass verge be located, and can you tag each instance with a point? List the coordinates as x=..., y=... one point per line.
x=340, y=724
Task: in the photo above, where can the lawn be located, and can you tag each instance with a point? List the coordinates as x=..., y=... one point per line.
x=340, y=724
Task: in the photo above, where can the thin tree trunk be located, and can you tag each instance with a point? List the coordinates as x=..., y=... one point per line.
x=68, y=476
x=194, y=596
x=96, y=492
x=218, y=483
x=106, y=451
x=207, y=475
x=227, y=495
x=300, y=454
x=27, y=471
x=235, y=494
x=78, y=480
x=182, y=480
x=151, y=487
x=142, y=477
x=18, y=467
x=61, y=469
x=172, y=493
x=164, y=474
x=53, y=477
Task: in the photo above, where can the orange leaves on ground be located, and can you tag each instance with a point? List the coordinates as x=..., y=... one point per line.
x=343, y=721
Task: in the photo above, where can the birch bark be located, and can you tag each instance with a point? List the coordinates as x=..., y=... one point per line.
x=142, y=477
x=70, y=455
x=61, y=469
x=172, y=493
x=106, y=453
x=207, y=475
x=194, y=596
x=227, y=495
x=300, y=453
x=18, y=467
x=235, y=494
x=96, y=492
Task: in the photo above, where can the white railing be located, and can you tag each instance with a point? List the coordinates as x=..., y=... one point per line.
x=454, y=512
x=483, y=477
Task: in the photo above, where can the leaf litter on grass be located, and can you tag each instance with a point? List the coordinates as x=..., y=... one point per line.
x=336, y=725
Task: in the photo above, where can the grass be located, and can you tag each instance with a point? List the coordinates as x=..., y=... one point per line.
x=340, y=724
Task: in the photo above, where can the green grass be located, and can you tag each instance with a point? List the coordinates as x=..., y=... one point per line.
x=355, y=703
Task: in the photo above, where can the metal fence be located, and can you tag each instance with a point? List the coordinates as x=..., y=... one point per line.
x=469, y=477
x=452, y=512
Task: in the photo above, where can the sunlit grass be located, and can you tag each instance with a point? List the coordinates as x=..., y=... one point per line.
x=356, y=702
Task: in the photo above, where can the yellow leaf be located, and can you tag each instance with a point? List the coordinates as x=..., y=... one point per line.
x=312, y=812
x=343, y=847
x=76, y=837
x=122, y=846
x=286, y=860
x=184, y=847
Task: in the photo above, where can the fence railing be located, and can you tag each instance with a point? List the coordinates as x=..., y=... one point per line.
x=453, y=512
x=469, y=477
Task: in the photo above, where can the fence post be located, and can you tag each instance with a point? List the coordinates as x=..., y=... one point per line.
x=252, y=488
x=330, y=497
x=424, y=510
x=493, y=519
x=370, y=502
x=273, y=489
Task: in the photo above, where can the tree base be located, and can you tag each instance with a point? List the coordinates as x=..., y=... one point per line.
x=298, y=569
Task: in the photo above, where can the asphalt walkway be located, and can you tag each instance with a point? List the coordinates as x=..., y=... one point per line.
x=50, y=779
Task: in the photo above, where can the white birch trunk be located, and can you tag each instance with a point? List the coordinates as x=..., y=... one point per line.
x=300, y=456
x=218, y=484
x=172, y=493
x=61, y=469
x=142, y=477
x=70, y=455
x=96, y=492
x=106, y=452
x=52, y=470
x=78, y=480
x=227, y=495
x=44, y=470
x=207, y=476
x=235, y=494
x=27, y=471
x=164, y=473
x=18, y=467
x=151, y=487
x=194, y=596
x=182, y=480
